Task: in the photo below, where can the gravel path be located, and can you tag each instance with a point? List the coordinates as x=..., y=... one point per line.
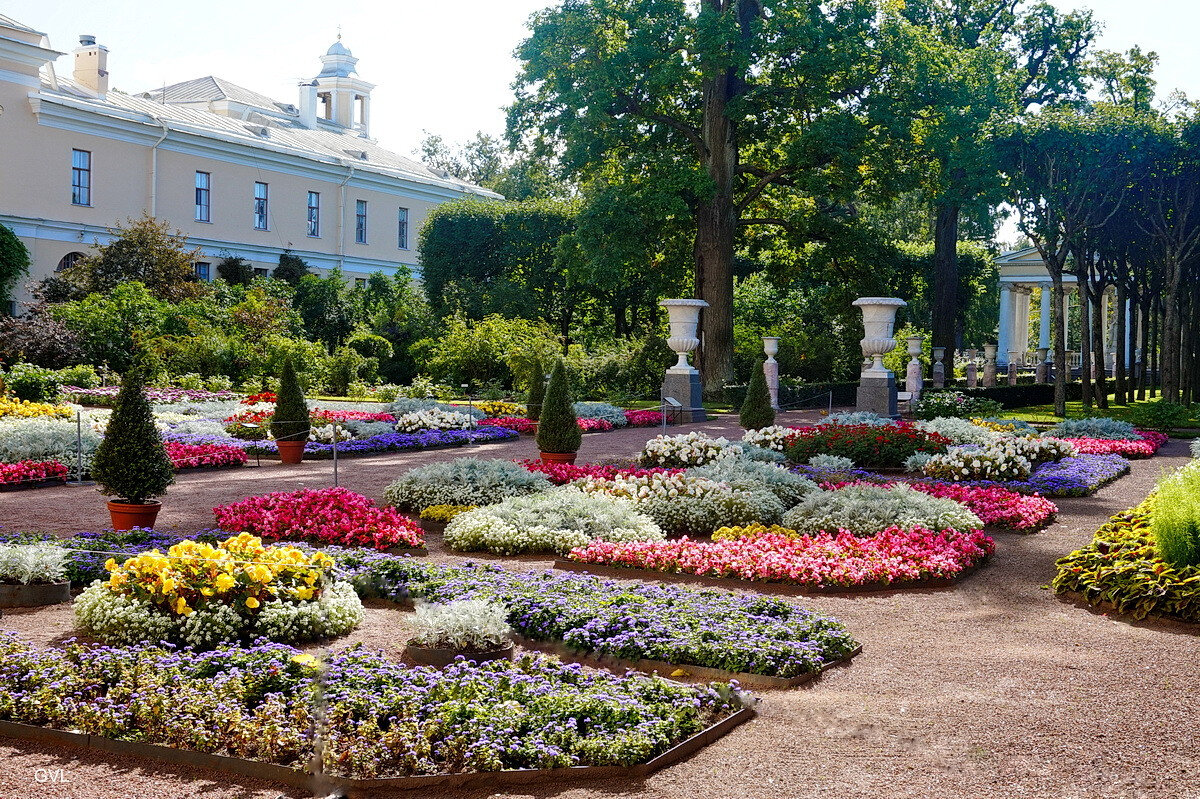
x=993, y=688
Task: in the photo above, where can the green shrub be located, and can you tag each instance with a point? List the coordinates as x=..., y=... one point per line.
x=757, y=412
x=1160, y=415
x=1175, y=520
x=344, y=367
x=935, y=404
x=32, y=383
x=463, y=481
x=131, y=462
x=83, y=376
x=290, y=422
x=558, y=428
x=537, y=388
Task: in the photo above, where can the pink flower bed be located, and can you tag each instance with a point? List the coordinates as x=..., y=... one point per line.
x=517, y=423
x=644, y=418
x=352, y=416
x=563, y=473
x=31, y=471
x=995, y=505
x=891, y=557
x=320, y=516
x=188, y=456
x=1145, y=448
x=594, y=425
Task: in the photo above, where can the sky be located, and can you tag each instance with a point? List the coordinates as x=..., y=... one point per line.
x=444, y=67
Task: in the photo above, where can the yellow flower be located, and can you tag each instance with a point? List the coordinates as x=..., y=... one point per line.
x=181, y=607
x=207, y=591
x=304, y=659
x=251, y=602
x=168, y=585
x=110, y=564
x=304, y=593
x=225, y=582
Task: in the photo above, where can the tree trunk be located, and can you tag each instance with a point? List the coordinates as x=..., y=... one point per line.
x=1156, y=348
x=1060, y=345
x=1122, y=386
x=1099, y=355
x=945, y=281
x=1171, y=337
x=1085, y=337
x=716, y=225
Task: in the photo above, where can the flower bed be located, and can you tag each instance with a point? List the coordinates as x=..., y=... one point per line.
x=1146, y=447
x=518, y=424
x=996, y=506
x=563, y=473
x=1079, y=476
x=882, y=447
x=107, y=395
x=462, y=481
x=630, y=620
x=1122, y=568
x=865, y=510
x=12, y=474
x=971, y=462
x=639, y=418
x=890, y=558
x=12, y=408
x=389, y=442
x=594, y=425
x=326, y=516
x=191, y=456
x=697, y=449
x=377, y=719
x=201, y=595
x=433, y=419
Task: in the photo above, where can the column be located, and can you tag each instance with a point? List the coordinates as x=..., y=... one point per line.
x=1044, y=324
x=1006, y=325
x=1021, y=323
x=1105, y=333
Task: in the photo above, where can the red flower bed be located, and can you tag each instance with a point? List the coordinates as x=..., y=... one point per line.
x=995, y=505
x=563, y=473
x=594, y=425
x=31, y=471
x=335, y=516
x=324, y=416
x=1145, y=448
x=189, y=456
x=518, y=423
x=644, y=418
x=885, y=446
x=825, y=560
x=262, y=396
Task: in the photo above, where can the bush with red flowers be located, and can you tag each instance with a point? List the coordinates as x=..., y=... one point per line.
x=191, y=456
x=563, y=473
x=31, y=471
x=885, y=446
x=325, y=516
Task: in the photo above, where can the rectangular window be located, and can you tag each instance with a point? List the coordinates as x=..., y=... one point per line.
x=81, y=177
x=360, y=282
x=203, y=185
x=402, y=229
x=260, y=271
x=203, y=271
x=314, y=214
x=260, y=206
x=360, y=221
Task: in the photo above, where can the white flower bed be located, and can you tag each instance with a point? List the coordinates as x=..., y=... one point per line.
x=960, y=431
x=772, y=437
x=1003, y=461
x=554, y=521
x=866, y=510
x=433, y=419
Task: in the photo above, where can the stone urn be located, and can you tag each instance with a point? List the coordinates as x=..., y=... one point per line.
x=972, y=368
x=939, y=368
x=879, y=323
x=914, y=379
x=989, y=364
x=684, y=319
x=771, y=368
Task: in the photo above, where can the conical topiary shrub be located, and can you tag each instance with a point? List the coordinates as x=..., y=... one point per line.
x=757, y=412
x=558, y=429
x=131, y=462
x=290, y=423
x=537, y=388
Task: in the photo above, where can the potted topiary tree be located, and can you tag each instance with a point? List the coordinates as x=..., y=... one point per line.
x=131, y=462
x=290, y=424
x=558, y=435
x=757, y=412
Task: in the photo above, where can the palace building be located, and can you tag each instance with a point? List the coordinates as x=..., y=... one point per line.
x=239, y=173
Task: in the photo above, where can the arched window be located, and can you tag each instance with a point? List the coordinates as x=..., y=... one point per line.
x=68, y=260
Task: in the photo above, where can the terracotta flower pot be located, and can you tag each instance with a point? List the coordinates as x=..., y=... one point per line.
x=440, y=658
x=558, y=457
x=34, y=594
x=290, y=452
x=127, y=515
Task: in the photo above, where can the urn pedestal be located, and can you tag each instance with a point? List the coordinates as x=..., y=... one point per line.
x=989, y=364
x=1013, y=357
x=914, y=379
x=877, y=384
x=939, y=368
x=771, y=368
x=1043, y=365
x=972, y=368
x=682, y=381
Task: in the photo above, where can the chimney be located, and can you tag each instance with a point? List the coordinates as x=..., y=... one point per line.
x=91, y=66
x=308, y=104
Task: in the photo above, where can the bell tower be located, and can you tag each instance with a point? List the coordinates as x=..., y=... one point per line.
x=337, y=94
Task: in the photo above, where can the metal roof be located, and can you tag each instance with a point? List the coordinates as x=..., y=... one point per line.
x=210, y=88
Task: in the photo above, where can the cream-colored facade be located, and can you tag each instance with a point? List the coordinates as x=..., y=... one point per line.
x=77, y=158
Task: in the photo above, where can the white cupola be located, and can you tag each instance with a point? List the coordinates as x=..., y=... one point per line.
x=337, y=94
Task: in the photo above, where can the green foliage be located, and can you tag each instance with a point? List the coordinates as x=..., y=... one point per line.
x=1175, y=520
x=131, y=462
x=492, y=348
x=536, y=379
x=558, y=428
x=1160, y=415
x=14, y=261
x=291, y=268
x=236, y=271
x=82, y=376
x=146, y=251
x=290, y=422
x=326, y=307
x=757, y=412
x=344, y=367
x=32, y=383
x=112, y=326
x=1122, y=566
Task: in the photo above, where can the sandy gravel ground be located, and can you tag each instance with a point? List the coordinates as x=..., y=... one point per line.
x=992, y=688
